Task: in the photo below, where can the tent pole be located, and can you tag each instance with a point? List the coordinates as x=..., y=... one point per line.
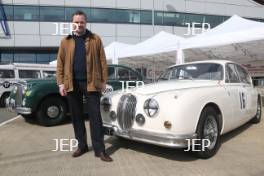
x=179, y=55
x=115, y=59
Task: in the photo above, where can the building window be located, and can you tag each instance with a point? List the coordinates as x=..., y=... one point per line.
x=9, y=12
x=158, y=17
x=70, y=10
x=53, y=57
x=52, y=14
x=26, y=13
x=127, y=16
x=107, y=15
x=213, y=20
x=102, y=15
x=43, y=58
x=193, y=18
x=7, y=57
x=145, y=17
x=25, y=57
x=173, y=19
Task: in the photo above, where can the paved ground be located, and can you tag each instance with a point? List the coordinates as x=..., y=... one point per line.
x=6, y=115
x=26, y=149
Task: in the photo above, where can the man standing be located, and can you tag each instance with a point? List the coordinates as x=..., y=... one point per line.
x=82, y=70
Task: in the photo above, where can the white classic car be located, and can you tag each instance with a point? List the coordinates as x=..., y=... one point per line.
x=190, y=106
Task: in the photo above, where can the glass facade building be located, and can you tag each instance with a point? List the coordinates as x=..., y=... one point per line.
x=17, y=13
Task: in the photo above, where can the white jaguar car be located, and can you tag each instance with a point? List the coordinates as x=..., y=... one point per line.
x=190, y=106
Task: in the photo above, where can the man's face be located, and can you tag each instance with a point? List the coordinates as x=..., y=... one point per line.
x=80, y=21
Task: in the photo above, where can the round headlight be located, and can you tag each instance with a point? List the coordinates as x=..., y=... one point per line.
x=106, y=103
x=151, y=107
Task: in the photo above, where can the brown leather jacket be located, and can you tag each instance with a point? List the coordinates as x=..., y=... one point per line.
x=95, y=59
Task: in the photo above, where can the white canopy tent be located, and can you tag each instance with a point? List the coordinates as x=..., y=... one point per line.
x=111, y=51
x=159, y=43
x=234, y=30
x=153, y=53
x=236, y=39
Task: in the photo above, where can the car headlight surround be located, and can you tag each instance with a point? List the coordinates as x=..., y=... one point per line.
x=151, y=107
x=113, y=115
x=106, y=102
x=27, y=93
x=14, y=89
x=24, y=89
x=24, y=102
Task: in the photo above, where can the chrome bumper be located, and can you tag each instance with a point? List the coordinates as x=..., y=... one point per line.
x=11, y=106
x=165, y=140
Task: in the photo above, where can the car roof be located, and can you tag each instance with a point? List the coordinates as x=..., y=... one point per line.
x=222, y=62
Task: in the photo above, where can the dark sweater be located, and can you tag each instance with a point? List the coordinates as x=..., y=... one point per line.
x=79, y=59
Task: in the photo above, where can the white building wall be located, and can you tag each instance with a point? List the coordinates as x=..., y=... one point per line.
x=28, y=34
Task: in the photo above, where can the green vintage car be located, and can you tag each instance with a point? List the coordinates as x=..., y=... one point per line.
x=40, y=98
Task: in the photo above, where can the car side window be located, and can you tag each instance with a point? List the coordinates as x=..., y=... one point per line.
x=123, y=74
x=7, y=74
x=244, y=76
x=111, y=73
x=49, y=74
x=133, y=76
x=231, y=74
x=174, y=74
x=29, y=73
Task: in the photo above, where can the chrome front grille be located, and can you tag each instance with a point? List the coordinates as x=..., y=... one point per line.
x=19, y=95
x=126, y=111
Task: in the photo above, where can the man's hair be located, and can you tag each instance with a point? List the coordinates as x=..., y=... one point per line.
x=79, y=12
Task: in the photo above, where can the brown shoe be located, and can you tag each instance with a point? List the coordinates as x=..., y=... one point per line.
x=79, y=152
x=104, y=157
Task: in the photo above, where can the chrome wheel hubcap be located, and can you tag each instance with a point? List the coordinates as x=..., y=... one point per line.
x=211, y=131
x=53, y=111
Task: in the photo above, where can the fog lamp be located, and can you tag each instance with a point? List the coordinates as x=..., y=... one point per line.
x=140, y=119
x=113, y=115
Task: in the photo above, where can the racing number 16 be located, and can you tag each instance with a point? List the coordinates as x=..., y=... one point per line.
x=242, y=97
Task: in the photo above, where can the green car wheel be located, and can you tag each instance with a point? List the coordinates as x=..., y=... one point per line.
x=52, y=111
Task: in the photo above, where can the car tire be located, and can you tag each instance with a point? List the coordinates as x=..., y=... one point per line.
x=3, y=98
x=52, y=111
x=208, y=128
x=257, y=117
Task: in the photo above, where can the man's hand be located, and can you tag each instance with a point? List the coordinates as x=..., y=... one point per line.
x=103, y=88
x=62, y=90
